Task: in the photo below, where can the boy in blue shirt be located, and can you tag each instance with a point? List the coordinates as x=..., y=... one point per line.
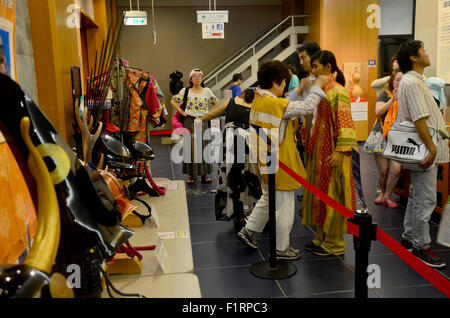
x=236, y=87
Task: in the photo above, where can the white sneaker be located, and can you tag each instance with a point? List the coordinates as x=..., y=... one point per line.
x=248, y=237
x=290, y=254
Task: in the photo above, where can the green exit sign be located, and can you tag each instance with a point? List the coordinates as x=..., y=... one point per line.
x=136, y=18
x=136, y=21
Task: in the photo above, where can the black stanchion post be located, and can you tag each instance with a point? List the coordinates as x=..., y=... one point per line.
x=272, y=222
x=274, y=269
x=361, y=244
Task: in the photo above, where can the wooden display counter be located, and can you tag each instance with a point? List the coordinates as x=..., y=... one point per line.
x=173, y=278
x=442, y=190
x=169, y=214
x=359, y=111
x=160, y=286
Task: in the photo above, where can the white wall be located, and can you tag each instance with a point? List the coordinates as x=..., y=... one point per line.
x=396, y=17
x=426, y=30
x=179, y=42
x=87, y=6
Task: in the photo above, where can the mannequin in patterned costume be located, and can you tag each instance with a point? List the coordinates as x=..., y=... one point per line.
x=329, y=138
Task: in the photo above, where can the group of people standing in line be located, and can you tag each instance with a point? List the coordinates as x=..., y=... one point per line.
x=319, y=107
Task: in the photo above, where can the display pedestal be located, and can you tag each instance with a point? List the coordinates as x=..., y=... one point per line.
x=359, y=108
x=182, y=285
x=169, y=214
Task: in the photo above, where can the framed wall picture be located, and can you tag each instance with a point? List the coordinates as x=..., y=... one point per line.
x=7, y=43
x=6, y=53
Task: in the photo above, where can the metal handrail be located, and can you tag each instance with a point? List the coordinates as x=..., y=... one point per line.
x=250, y=46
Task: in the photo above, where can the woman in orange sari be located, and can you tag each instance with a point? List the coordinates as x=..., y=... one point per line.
x=329, y=138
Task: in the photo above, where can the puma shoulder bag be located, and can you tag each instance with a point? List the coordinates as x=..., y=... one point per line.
x=404, y=145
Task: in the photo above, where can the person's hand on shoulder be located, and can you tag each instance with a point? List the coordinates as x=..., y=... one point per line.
x=259, y=94
x=303, y=84
x=321, y=80
x=395, y=94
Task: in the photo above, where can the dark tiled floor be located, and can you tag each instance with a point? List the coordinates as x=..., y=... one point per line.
x=222, y=263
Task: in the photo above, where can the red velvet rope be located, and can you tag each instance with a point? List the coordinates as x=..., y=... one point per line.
x=132, y=251
x=161, y=190
x=436, y=279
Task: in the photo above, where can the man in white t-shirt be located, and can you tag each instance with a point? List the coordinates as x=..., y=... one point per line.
x=305, y=51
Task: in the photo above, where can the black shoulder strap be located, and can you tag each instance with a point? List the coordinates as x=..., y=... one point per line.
x=185, y=98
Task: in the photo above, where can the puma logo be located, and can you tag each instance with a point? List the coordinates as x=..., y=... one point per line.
x=403, y=150
x=412, y=141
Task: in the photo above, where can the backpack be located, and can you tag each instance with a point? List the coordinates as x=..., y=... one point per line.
x=178, y=119
x=391, y=115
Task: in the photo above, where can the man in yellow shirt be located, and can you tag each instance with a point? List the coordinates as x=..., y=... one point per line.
x=279, y=115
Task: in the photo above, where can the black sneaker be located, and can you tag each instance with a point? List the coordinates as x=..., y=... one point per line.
x=320, y=251
x=248, y=237
x=310, y=246
x=427, y=256
x=407, y=244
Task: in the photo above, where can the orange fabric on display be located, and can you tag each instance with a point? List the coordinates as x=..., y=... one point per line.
x=17, y=211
